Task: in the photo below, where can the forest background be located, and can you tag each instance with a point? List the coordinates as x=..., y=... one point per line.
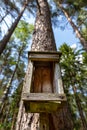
x=16, y=29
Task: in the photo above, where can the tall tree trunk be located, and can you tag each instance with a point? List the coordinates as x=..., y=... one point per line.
x=75, y=28
x=7, y=37
x=5, y=94
x=78, y=103
x=43, y=40
x=13, y=121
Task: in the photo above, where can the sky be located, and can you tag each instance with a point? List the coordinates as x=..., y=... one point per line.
x=63, y=36
x=66, y=36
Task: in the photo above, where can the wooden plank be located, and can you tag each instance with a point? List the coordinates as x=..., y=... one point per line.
x=57, y=82
x=43, y=97
x=45, y=52
x=44, y=56
x=42, y=79
x=28, y=78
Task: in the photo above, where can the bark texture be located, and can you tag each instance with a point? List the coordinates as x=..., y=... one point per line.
x=43, y=40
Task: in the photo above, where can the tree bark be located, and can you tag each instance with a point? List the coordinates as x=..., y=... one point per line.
x=78, y=103
x=7, y=37
x=75, y=28
x=43, y=40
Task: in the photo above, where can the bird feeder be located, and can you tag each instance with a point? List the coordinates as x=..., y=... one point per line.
x=43, y=89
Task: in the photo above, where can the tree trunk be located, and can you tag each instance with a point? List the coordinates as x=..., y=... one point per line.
x=43, y=40
x=7, y=37
x=5, y=93
x=77, y=99
x=13, y=121
x=75, y=28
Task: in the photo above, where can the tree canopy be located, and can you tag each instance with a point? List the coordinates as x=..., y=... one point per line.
x=16, y=32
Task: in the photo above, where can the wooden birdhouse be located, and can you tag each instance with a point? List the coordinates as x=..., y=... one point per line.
x=43, y=89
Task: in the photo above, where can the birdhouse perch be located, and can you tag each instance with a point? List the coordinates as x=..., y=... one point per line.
x=43, y=89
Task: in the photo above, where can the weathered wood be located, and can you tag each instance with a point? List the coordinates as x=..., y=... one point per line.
x=43, y=93
x=43, y=90
x=57, y=82
x=28, y=82
x=44, y=56
x=45, y=106
x=42, y=79
x=43, y=97
x=43, y=102
x=45, y=52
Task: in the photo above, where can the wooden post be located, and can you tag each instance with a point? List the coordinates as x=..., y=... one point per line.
x=44, y=121
x=28, y=81
x=58, y=85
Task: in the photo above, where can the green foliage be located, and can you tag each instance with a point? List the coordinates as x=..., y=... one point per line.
x=82, y=16
x=84, y=32
x=1, y=93
x=84, y=57
x=14, y=57
x=16, y=99
x=23, y=31
x=74, y=73
x=77, y=4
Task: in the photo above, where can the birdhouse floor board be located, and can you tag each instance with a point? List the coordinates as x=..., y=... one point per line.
x=43, y=97
x=43, y=102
